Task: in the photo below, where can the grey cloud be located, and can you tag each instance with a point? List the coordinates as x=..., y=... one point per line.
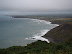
x=36, y=5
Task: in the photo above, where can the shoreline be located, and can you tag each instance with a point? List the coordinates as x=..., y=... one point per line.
x=59, y=21
x=53, y=20
x=52, y=40
x=47, y=39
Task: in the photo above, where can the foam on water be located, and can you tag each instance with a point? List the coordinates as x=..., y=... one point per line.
x=38, y=36
x=41, y=21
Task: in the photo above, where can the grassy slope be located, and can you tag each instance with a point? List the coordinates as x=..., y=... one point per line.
x=61, y=33
x=61, y=21
x=40, y=47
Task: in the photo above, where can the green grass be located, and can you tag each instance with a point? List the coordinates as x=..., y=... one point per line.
x=40, y=47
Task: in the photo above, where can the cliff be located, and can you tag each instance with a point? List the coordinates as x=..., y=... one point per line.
x=60, y=34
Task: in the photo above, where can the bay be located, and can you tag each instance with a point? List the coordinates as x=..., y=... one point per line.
x=20, y=31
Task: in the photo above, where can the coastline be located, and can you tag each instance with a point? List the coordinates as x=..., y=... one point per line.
x=47, y=39
x=44, y=22
x=42, y=47
x=58, y=21
x=53, y=20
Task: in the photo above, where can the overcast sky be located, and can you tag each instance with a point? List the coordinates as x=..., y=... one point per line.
x=36, y=5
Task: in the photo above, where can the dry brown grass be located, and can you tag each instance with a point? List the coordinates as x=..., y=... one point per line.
x=64, y=19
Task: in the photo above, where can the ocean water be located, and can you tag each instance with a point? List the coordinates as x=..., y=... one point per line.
x=22, y=31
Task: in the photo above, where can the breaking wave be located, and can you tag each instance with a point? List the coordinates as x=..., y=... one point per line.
x=38, y=36
x=41, y=21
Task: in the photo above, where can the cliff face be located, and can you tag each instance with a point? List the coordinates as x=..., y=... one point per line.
x=61, y=33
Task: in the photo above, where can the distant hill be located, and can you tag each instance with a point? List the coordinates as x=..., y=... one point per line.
x=60, y=34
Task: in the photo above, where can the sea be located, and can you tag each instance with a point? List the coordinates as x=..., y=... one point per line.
x=22, y=31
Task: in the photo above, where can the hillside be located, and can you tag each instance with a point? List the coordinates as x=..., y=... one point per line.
x=61, y=33
x=40, y=47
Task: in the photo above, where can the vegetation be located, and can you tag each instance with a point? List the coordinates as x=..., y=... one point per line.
x=40, y=47
x=61, y=33
x=61, y=21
